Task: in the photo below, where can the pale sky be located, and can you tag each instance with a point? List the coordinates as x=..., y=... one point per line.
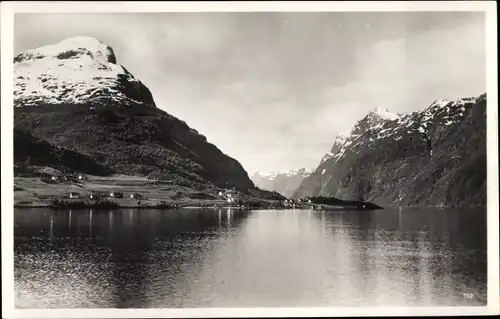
x=272, y=90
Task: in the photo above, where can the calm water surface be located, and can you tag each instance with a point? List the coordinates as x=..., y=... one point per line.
x=230, y=258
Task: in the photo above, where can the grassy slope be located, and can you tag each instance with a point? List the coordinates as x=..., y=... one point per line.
x=36, y=191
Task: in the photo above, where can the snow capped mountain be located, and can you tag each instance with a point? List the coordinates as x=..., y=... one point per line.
x=78, y=70
x=73, y=97
x=381, y=124
x=340, y=140
x=267, y=175
x=273, y=175
x=384, y=145
x=284, y=183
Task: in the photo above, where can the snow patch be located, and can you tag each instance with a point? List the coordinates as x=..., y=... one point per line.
x=71, y=48
x=385, y=114
x=75, y=70
x=440, y=103
x=268, y=175
x=272, y=175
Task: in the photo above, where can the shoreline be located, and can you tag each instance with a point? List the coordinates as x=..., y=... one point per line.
x=41, y=192
x=184, y=204
x=21, y=206
x=90, y=206
x=36, y=192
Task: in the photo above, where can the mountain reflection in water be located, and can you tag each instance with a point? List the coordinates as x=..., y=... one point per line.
x=233, y=258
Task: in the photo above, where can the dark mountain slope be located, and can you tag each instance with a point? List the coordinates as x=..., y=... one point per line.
x=30, y=151
x=134, y=140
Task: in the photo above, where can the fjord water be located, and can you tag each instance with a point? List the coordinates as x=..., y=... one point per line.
x=234, y=258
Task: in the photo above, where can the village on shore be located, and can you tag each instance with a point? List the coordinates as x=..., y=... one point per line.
x=81, y=191
x=85, y=191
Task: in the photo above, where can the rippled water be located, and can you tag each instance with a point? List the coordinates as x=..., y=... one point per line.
x=208, y=258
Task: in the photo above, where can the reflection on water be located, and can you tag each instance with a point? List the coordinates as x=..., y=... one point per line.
x=231, y=258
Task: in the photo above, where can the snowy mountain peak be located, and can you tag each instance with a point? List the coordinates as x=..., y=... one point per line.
x=439, y=103
x=77, y=70
x=340, y=140
x=385, y=114
x=268, y=175
x=71, y=48
x=303, y=171
x=374, y=119
x=273, y=175
x=445, y=103
x=370, y=130
x=380, y=109
x=342, y=137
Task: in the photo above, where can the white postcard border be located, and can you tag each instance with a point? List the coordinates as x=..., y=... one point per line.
x=7, y=11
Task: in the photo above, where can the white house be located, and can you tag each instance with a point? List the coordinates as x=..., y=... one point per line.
x=74, y=195
x=116, y=195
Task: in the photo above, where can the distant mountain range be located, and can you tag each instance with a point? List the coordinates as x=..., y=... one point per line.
x=74, y=102
x=285, y=183
x=433, y=157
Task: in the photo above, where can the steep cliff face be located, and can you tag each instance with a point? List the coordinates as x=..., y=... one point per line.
x=337, y=145
x=74, y=96
x=285, y=183
x=433, y=157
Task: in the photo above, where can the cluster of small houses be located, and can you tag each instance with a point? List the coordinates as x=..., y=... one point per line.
x=296, y=202
x=99, y=195
x=69, y=177
x=229, y=195
x=94, y=196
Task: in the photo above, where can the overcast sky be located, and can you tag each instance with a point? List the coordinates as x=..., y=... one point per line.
x=273, y=89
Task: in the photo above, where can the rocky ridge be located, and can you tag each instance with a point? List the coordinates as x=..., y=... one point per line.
x=432, y=157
